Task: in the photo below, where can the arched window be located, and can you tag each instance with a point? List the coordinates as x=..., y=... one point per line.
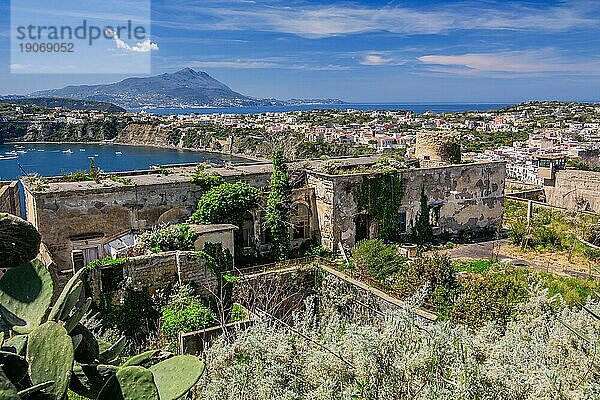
x=301, y=221
x=248, y=230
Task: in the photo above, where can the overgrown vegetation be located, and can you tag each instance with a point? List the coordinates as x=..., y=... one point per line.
x=580, y=164
x=395, y=273
x=94, y=174
x=422, y=231
x=485, y=291
x=479, y=141
x=184, y=312
x=550, y=230
x=279, y=205
x=170, y=238
x=381, y=194
x=205, y=180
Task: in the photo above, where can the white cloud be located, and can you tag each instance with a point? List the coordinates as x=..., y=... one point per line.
x=512, y=62
x=19, y=67
x=380, y=59
x=323, y=21
x=141, y=47
x=272, y=63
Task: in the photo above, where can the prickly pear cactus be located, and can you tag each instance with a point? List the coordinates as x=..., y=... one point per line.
x=130, y=383
x=89, y=379
x=88, y=350
x=50, y=356
x=19, y=241
x=15, y=366
x=25, y=295
x=48, y=349
x=176, y=376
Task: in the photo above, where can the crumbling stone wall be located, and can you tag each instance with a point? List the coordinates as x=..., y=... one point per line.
x=357, y=300
x=69, y=211
x=157, y=271
x=575, y=190
x=10, y=201
x=469, y=198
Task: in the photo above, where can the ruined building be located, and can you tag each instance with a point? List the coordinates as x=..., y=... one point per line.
x=86, y=219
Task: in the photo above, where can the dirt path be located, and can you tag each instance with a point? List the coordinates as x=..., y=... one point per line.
x=505, y=254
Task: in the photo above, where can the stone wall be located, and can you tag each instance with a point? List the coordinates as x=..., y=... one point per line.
x=575, y=190
x=469, y=198
x=10, y=200
x=155, y=272
x=88, y=212
x=357, y=300
x=434, y=148
x=66, y=216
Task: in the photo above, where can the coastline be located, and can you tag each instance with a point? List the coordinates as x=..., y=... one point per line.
x=166, y=147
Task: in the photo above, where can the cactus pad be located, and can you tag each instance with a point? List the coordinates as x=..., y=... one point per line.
x=25, y=295
x=176, y=376
x=50, y=358
x=19, y=241
x=88, y=350
x=130, y=383
x=89, y=379
x=15, y=366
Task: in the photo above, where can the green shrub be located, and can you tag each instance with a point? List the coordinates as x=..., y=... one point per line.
x=184, y=313
x=172, y=238
x=206, y=181
x=375, y=258
x=226, y=204
x=438, y=271
x=279, y=205
x=238, y=313
x=492, y=297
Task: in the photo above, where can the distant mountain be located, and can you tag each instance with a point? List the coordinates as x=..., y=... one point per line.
x=183, y=89
x=69, y=104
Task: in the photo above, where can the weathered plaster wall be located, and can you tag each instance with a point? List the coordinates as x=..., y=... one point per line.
x=10, y=201
x=575, y=190
x=469, y=197
x=105, y=212
x=324, y=193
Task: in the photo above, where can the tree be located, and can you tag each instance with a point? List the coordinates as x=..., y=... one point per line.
x=422, y=231
x=279, y=204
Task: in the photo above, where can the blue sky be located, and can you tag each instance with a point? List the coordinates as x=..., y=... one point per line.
x=369, y=51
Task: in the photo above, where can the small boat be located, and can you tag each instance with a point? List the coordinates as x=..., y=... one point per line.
x=81, y=149
x=41, y=150
x=96, y=155
x=21, y=152
x=68, y=151
x=10, y=153
x=19, y=146
x=118, y=153
x=8, y=158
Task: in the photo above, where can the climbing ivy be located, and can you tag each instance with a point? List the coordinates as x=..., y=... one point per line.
x=220, y=262
x=381, y=195
x=452, y=150
x=279, y=204
x=422, y=231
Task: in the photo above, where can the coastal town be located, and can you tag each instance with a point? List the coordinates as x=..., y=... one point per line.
x=299, y=200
